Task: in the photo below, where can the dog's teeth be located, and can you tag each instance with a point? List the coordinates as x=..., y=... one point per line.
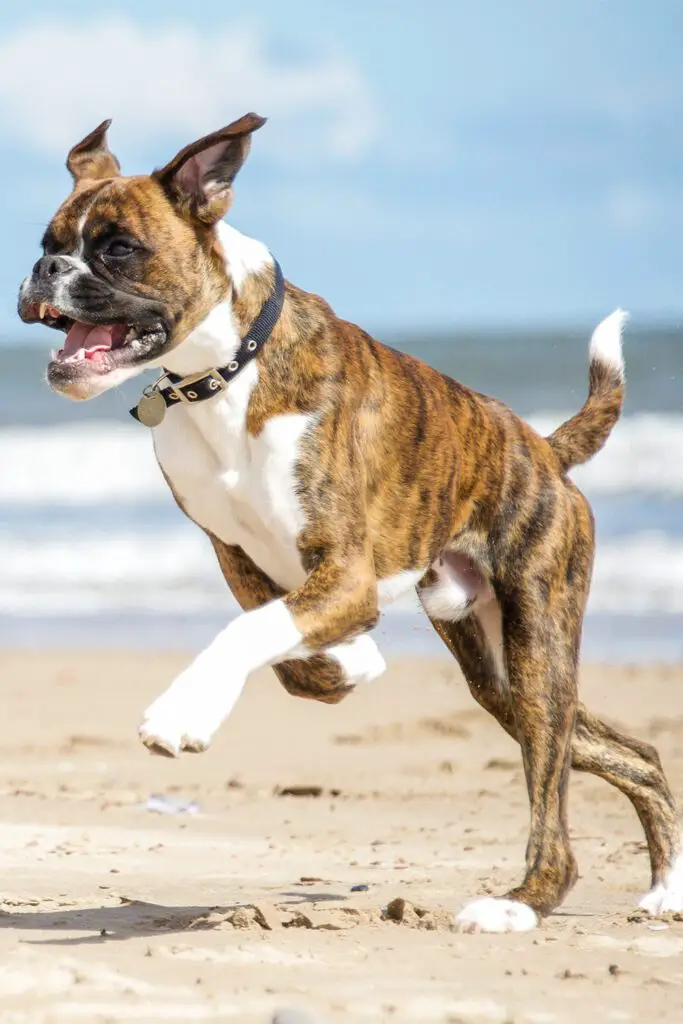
x=42, y=310
x=53, y=354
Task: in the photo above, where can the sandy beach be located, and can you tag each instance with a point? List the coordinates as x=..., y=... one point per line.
x=112, y=912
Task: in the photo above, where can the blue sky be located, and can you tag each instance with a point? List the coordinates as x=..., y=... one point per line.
x=425, y=165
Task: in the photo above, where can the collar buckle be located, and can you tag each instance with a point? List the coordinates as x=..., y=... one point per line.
x=183, y=392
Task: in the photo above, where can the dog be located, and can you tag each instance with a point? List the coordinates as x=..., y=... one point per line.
x=333, y=474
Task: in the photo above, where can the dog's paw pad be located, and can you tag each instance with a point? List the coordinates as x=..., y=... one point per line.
x=496, y=915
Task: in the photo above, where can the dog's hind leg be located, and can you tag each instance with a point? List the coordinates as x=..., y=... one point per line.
x=634, y=768
x=532, y=662
x=628, y=764
x=540, y=661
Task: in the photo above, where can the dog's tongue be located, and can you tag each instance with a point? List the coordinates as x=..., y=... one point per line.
x=85, y=336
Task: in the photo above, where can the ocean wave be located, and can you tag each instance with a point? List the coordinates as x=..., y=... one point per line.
x=638, y=574
x=84, y=464
x=176, y=571
x=100, y=463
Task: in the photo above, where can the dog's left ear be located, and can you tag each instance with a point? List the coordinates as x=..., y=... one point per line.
x=199, y=179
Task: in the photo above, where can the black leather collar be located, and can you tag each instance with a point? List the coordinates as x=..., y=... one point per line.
x=200, y=386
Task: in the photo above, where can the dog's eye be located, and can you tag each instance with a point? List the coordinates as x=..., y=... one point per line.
x=120, y=248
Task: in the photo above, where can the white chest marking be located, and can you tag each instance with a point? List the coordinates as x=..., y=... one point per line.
x=241, y=488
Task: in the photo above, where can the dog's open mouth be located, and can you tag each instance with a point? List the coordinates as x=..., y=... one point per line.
x=95, y=342
x=99, y=347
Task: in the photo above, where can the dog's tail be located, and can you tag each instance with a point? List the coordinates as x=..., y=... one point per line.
x=582, y=436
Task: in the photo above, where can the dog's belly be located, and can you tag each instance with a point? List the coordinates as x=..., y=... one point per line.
x=243, y=489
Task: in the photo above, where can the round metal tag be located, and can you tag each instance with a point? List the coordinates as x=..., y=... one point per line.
x=151, y=409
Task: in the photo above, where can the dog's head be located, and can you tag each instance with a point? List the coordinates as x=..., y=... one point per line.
x=132, y=265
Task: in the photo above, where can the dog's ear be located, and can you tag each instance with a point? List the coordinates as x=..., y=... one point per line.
x=199, y=179
x=91, y=158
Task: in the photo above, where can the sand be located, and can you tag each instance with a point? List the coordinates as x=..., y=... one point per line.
x=111, y=912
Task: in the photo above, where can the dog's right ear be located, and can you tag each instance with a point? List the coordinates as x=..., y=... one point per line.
x=91, y=159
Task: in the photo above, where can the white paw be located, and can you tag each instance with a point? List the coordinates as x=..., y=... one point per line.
x=666, y=898
x=175, y=723
x=496, y=915
x=360, y=659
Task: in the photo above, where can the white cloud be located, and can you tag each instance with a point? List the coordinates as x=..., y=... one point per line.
x=58, y=81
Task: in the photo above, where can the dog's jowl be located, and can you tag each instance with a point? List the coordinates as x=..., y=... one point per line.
x=332, y=474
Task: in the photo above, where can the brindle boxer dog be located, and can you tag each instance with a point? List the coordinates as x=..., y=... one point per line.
x=332, y=474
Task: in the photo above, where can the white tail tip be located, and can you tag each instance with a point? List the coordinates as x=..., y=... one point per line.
x=606, y=341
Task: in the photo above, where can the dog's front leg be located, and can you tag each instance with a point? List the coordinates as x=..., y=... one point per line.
x=337, y=601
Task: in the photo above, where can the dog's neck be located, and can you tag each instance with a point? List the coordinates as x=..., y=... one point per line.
x=216, y=340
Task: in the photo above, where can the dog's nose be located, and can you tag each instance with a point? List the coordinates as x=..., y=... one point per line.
x=53, y=266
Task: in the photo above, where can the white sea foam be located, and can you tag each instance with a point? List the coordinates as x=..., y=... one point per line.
x=81, y=464
x=638, y=574
x=177, y=572
x=103, y=463
x=174, y=570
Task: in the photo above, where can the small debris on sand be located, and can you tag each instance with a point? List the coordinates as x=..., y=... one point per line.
x=413, y=916
x=163, y=803
x=295, y=1017
x=299, y=791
